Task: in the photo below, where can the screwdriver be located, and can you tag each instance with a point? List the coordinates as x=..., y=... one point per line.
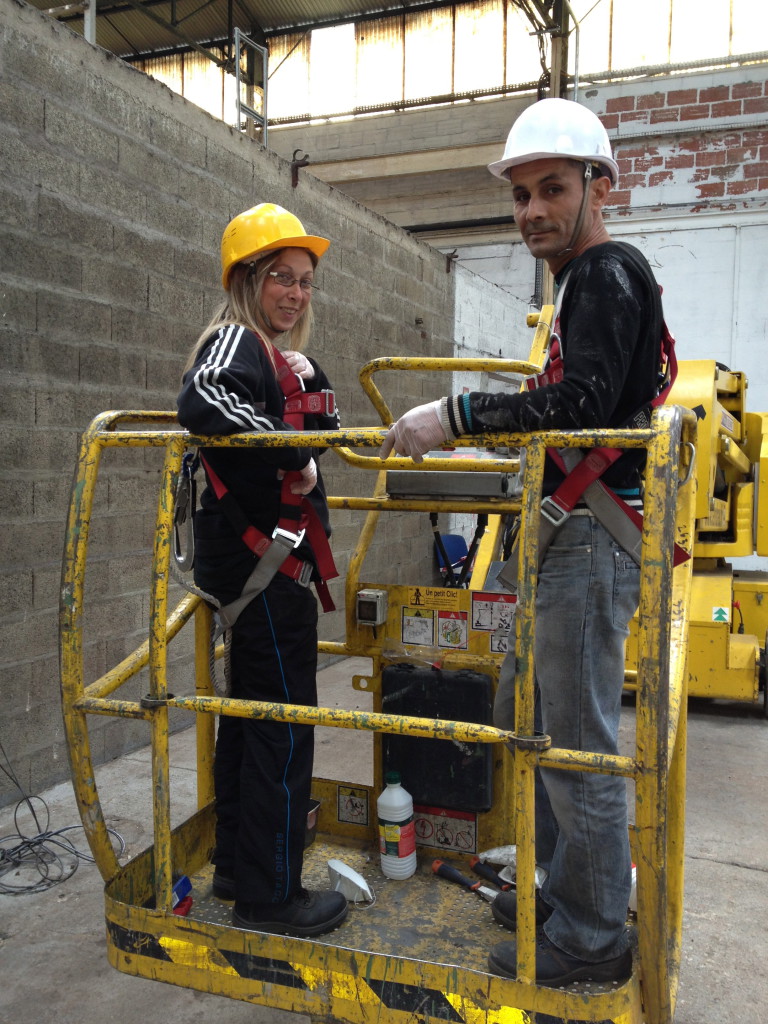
x=443, y=870
x=487, y=872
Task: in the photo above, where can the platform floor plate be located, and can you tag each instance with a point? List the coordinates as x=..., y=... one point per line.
x=423, y=918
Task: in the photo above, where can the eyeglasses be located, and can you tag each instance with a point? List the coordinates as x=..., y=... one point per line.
x=288, y=281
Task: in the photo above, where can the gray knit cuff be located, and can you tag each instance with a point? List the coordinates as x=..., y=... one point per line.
x=445, y=420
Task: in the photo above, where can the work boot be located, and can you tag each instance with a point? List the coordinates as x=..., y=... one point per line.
x=223, y=886
x=554, y=967
x=504, y=909
x=305, y=914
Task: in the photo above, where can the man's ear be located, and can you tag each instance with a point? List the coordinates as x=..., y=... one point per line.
x=600, y=187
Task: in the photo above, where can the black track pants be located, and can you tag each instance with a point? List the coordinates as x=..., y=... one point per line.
x=263, y=770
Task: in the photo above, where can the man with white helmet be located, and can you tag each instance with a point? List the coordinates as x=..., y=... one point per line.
x=603, y=372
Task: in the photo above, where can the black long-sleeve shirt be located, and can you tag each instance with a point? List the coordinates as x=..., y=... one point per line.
x=610, y=331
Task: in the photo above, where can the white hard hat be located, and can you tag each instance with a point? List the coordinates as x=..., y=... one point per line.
x=556, y=128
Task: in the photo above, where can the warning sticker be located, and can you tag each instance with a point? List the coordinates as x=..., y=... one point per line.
x=491, y=610
x=434, y=597
x=418, y=626
x=494, y=613
x=448, y=830
x=452, y=630
x=352, y=805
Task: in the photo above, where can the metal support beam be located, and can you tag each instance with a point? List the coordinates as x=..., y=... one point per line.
x=544, y=283
x=89, y=22
x=256, y=120
x=143, y=9
x=558, y=76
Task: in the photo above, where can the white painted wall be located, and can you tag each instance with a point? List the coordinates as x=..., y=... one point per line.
x=490, y=322
x=713, y=275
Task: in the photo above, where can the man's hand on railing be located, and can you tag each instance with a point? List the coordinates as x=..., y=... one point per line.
x=416, y=432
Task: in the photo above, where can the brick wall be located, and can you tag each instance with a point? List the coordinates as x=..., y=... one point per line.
x=114, y=192
x=700, y=141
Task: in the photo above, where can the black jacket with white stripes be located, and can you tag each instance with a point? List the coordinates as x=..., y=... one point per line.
x=232, y=389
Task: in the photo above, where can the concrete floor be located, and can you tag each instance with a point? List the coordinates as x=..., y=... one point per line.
x=53, y=961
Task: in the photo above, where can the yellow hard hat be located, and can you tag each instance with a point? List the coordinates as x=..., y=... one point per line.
x=260, y=229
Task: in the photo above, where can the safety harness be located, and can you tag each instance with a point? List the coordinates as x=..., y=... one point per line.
x=297, y=518
x=582, y=471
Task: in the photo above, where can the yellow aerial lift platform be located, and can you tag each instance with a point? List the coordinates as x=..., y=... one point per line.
x=418, y=954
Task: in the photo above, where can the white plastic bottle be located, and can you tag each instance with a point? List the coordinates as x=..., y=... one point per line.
x=397, y=835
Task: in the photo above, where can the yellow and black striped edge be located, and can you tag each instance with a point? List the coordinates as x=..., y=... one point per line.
x=333, y=983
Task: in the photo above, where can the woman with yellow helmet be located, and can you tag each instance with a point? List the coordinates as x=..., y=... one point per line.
x=260, y=538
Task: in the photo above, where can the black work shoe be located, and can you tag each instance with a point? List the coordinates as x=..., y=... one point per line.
x=504, y=909
x=306, y=913
x=555, y=967
x=223, y=886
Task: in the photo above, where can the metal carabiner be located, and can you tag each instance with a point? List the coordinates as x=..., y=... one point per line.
x=184, y=503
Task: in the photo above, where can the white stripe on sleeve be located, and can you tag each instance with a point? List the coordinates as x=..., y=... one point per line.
x=208, y=386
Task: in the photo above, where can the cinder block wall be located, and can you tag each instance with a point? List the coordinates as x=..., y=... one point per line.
x=113, y=196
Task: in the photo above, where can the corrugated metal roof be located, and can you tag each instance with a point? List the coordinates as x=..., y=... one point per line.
x=132, y=28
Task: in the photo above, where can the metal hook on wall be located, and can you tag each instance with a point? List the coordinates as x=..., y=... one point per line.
x=296, y=163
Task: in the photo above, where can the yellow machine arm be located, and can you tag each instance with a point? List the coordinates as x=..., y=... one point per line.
x=728, y=607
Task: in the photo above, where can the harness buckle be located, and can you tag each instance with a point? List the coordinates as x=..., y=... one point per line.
x=293, y=539
x=553, y=512
x=305, y=576
x=321, y=403
x=317, y=403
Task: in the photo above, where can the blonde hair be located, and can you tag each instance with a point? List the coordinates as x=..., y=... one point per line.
x=242, y=306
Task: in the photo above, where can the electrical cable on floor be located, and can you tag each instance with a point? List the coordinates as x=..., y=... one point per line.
x=52, y=855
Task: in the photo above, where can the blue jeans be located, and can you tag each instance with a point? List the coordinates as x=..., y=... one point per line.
x=588, y=590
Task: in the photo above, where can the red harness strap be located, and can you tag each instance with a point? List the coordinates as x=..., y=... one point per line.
x=598, y=459
x=298, y=402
